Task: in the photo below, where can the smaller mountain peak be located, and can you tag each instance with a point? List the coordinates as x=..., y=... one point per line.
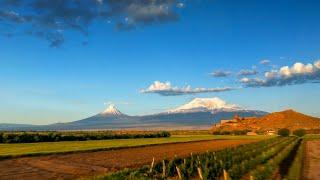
x=111, y=110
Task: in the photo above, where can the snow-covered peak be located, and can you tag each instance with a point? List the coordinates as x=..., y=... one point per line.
x=111, y=110
x=206, y=104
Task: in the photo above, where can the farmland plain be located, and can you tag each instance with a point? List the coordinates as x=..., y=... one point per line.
x=88, y=164
x=43, y=148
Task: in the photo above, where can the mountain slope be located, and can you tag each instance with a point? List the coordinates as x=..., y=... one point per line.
x=6, y=126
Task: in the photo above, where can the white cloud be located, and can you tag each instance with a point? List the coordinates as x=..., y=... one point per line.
x=100, y=1
x=265, y=61
x=245, y=80
x=317, y=64
x=252, y=81
x=299, y=73
x=117, y=103
x=271, y=74
x=180, y=5
x=166, y=89
x=297, y=68
x=157, y=85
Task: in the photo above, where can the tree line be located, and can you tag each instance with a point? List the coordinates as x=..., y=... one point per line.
x=32, y=137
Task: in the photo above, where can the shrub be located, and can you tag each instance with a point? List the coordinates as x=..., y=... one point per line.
x=299, y=132
x=284, y=132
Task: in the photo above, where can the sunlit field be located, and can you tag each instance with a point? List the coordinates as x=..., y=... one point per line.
x=27, y=149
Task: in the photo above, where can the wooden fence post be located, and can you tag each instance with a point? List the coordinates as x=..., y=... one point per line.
x=152, y=164
x=179, y=172
x=163, y=168
x=225, y=175
x=200, y=173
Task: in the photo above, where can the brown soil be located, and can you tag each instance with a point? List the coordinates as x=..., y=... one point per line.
x=73, y=166
x=312, y=163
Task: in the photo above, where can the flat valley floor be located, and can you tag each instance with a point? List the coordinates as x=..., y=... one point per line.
x=73, y=166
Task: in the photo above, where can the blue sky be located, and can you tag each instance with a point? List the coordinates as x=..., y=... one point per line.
x=43, y=83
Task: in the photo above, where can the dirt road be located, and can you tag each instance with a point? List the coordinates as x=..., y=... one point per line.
x=73, y=166
x=312, y=165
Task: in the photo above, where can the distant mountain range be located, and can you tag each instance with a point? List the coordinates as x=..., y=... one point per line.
x=200, y=113
x=285, y=119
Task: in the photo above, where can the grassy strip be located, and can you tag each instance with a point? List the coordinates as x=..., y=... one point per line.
x=295, y=170
x=46, y=148
x=310, y=137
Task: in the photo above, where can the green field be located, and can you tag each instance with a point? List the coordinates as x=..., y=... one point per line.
x=29, y=149
x=311, y=137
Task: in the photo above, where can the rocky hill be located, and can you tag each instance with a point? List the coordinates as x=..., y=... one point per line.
x=285, y=119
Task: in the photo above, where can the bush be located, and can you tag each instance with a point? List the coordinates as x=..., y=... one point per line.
x=284, y=132
x=299, y=132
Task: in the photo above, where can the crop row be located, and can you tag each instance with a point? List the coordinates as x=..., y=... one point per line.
x=240, y=169
x=232, y=162
x=296, y=168
x=25, y=137
x=267, y=169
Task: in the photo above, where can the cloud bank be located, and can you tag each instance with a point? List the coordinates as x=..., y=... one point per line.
x=49, y=19
x=166, y=89
x=299, y=73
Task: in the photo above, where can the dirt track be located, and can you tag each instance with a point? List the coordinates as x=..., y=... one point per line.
x=312, y=160
x=73, y=166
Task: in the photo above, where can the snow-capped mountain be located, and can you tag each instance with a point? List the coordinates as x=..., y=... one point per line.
x=111, y=111
x=206, y=104
x=198, y=113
